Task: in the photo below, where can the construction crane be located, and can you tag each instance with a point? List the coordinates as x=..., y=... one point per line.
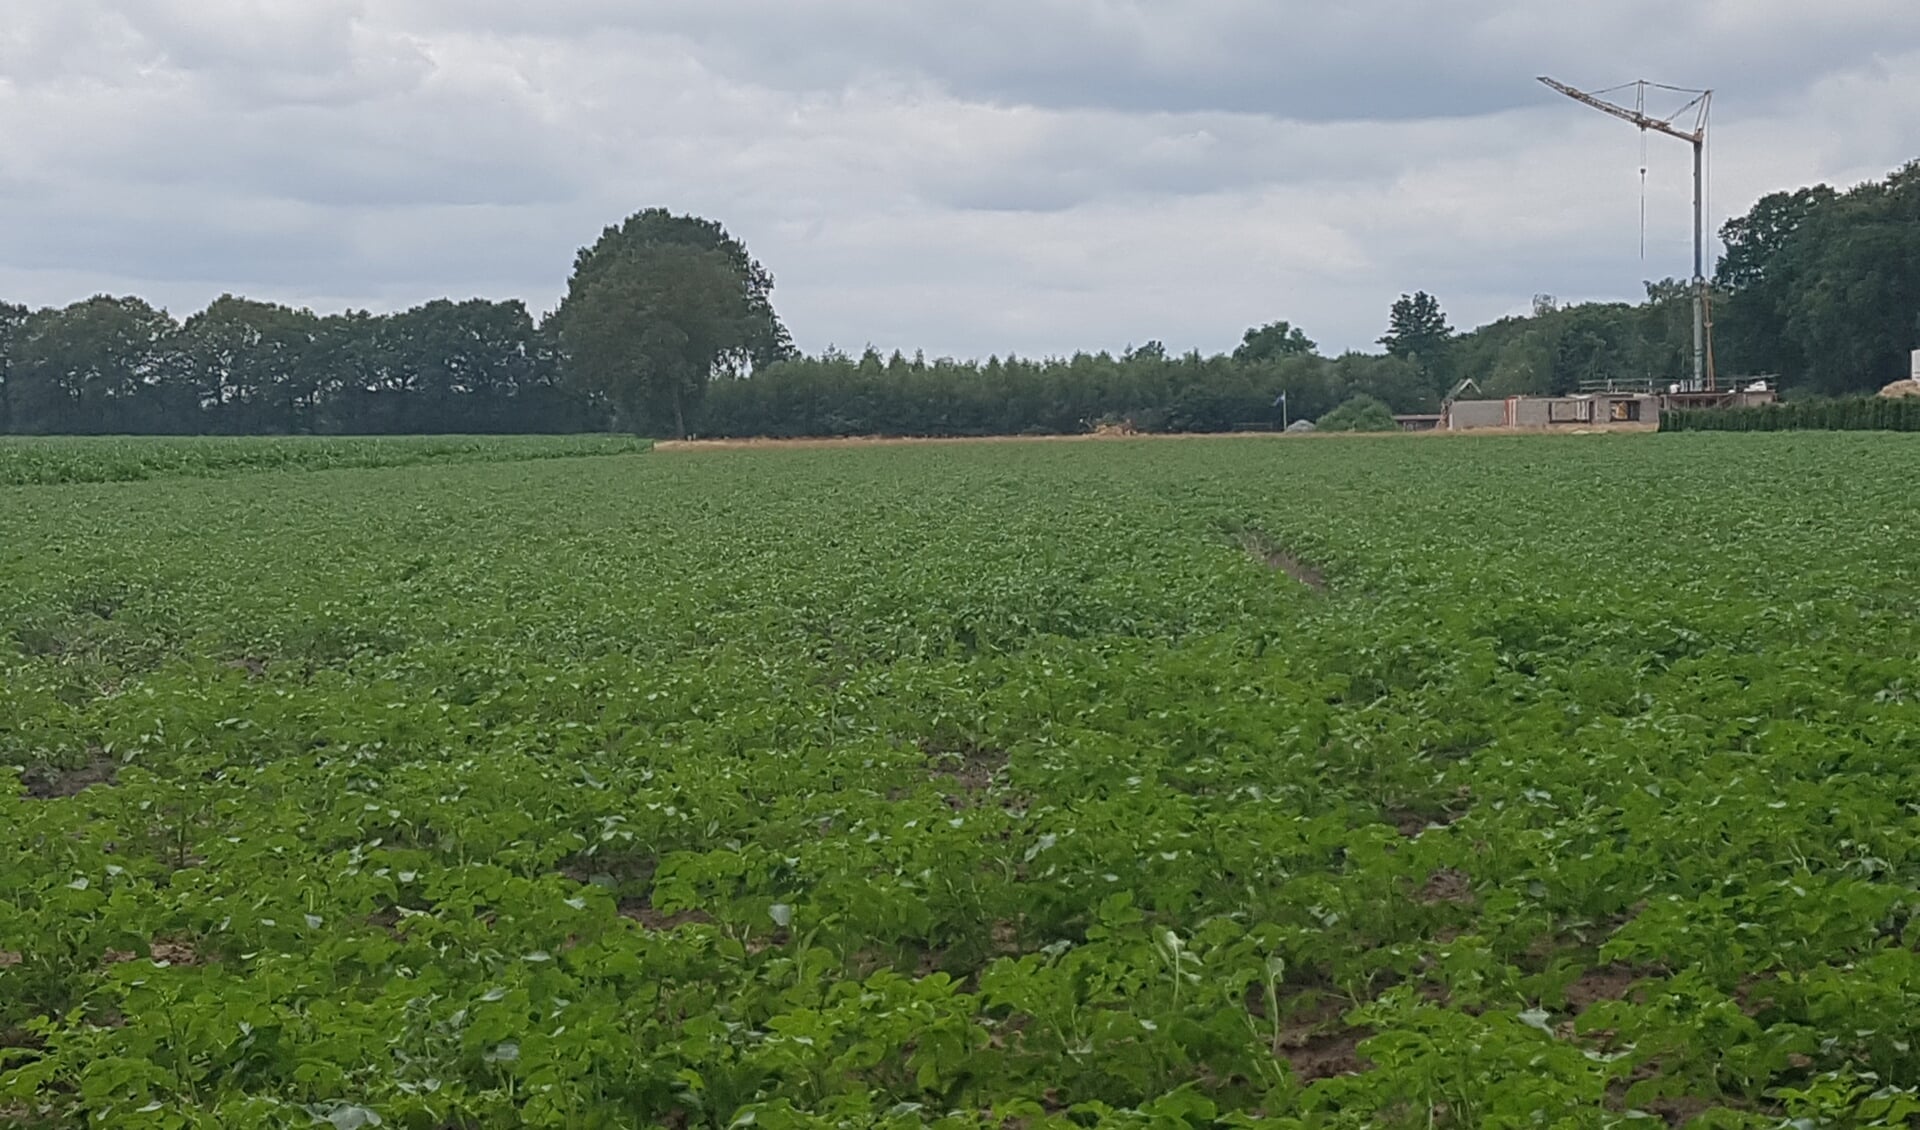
x=1700, y=102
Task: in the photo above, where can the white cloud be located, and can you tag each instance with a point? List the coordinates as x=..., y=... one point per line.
x=1040, y=176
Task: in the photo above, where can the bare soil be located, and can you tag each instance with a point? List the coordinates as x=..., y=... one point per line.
x=174, y=953
x=1412, y=825
x=804, y=443
x=762, y=443
x=1280, y=558
x=1607, y=983
x=1313, y=1041
x=1006, y=943
x=1326, y=1054
x=48, y=782
x=642, y=911
x=1679, y=1110
x=618, y=869
x=967, y=773
x=1447, y=885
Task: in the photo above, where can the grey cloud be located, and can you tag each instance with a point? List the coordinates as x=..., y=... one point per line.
x=1041, y=177
x=317, y=51
x=1356, y=60
x=439, y=145
x=1063, y=159
x=45, y=43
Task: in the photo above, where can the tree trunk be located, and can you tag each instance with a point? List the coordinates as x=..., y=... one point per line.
x=679, y=416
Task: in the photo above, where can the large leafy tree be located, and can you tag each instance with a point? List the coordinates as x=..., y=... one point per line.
x=105, y=364
x=765, y=339
x=1853, y=279
x=244, y=360
x=13, y=319
x=652, y=327
x=656, y=308
x=453, y=366
x=1417, y=329
x=1417, y=332
x=1756, y=242
x=1759, y=270
x=1825, y=286
x=1273, y=341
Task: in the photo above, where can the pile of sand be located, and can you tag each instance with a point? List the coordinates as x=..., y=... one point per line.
x=1901, y=388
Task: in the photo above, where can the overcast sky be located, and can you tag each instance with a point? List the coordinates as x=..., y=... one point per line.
x=993, y=176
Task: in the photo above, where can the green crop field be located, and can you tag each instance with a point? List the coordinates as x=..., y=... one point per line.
x=1530, y=781
x=125, y=458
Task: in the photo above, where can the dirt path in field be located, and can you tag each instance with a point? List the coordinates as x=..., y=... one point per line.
x=1263, y=549
x=927, y=441
x=801, y=444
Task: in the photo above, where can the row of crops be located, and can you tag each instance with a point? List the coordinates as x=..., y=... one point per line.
x=1859, y=414
x=997, y=785
x=102, y=459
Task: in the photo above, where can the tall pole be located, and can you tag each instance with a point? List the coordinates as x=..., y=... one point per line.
x=1700, y=378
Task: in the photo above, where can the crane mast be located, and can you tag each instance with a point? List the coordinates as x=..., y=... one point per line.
x=1701, y=102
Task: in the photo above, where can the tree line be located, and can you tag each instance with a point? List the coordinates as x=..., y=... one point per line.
x=240, y=367
x=670, y=299
x=668, y=327
x=1145, y=388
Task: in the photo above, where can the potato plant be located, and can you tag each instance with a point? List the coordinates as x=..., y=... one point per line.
x=1009, y=784
x=68, y=459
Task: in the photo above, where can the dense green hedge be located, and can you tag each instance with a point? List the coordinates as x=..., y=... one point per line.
x=1861, y=414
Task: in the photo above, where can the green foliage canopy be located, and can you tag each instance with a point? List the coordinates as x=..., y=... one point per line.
x=1361, y=413
x=1273, y=341
x=657, y=308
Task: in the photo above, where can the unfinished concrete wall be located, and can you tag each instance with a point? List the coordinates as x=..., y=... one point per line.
x=1532, y=412
x=1464, y=414
x=1595, y=411
x=1627, y=410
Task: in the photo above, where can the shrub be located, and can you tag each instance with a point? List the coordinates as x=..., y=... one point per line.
x=1361, y=413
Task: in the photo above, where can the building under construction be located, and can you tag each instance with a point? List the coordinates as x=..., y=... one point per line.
x=1601, y=408
x=1612, y=404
